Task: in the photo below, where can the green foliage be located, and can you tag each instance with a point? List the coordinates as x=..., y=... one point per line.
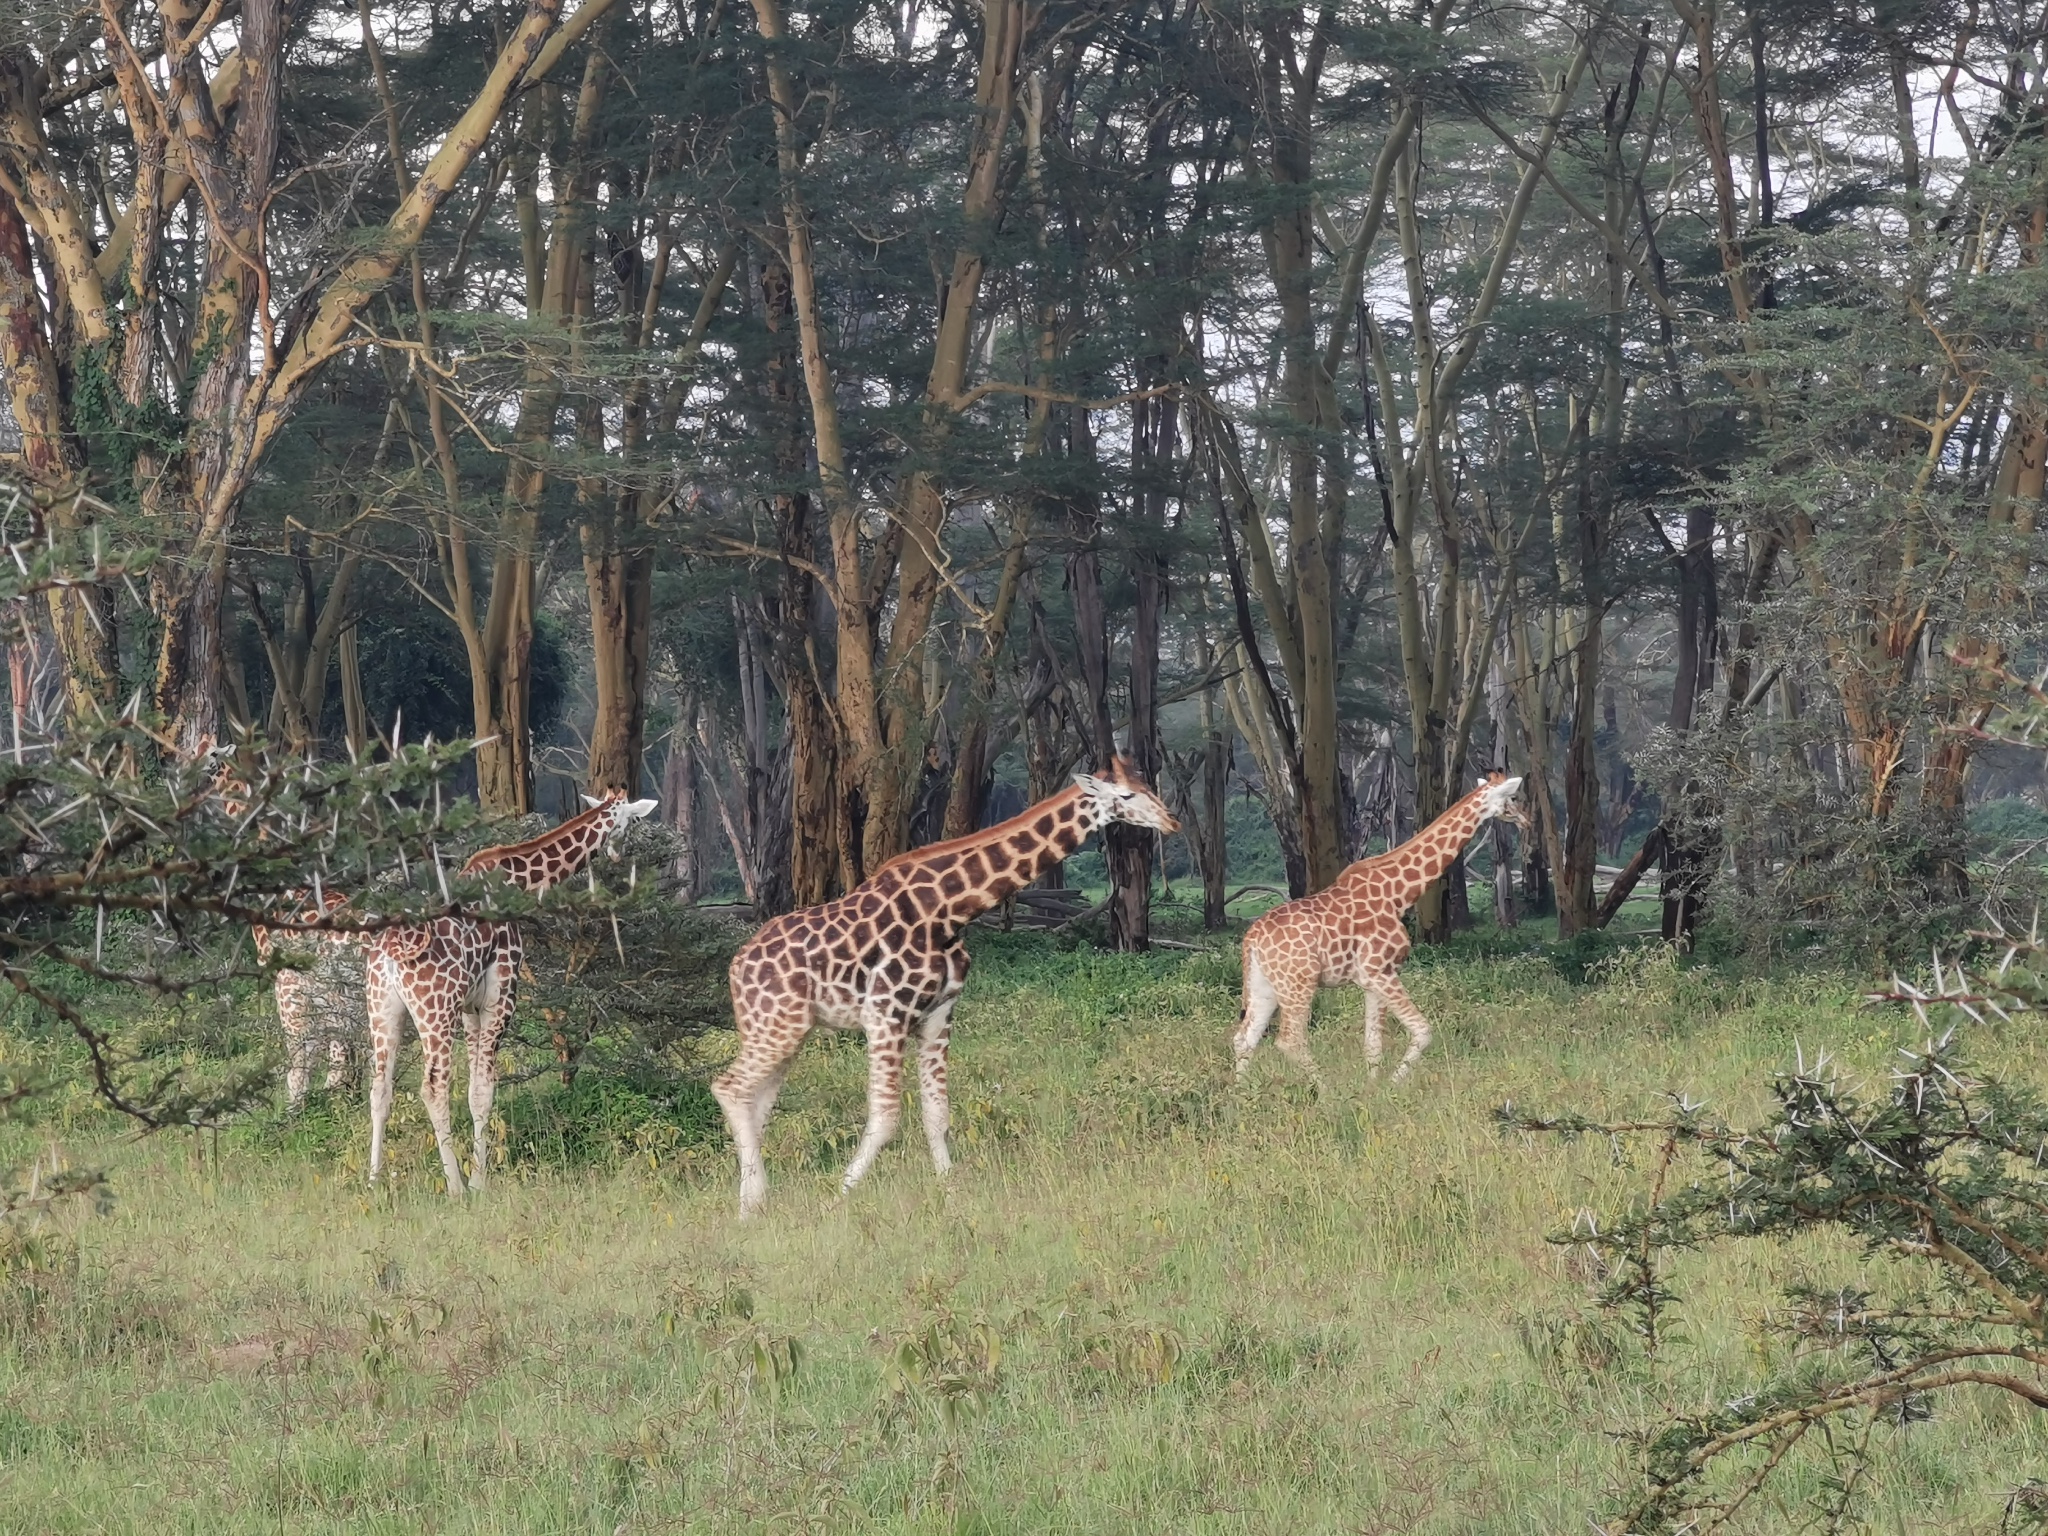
x=605, y=1122
x=1997, y=827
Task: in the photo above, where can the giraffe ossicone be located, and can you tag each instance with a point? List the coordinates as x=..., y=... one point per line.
x=886, y=959
x=463, y=968
x=1351, y=933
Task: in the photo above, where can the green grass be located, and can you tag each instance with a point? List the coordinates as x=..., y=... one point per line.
x=1149, y=1300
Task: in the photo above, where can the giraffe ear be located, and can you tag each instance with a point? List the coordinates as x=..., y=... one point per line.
x=592, y=801
x=1090, y=783
x=635, y=809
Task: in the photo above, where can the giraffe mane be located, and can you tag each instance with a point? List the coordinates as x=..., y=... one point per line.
x=487, y=858
x=1358, y=868
x=1022, y=819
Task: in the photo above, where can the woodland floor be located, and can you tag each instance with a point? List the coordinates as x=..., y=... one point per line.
x=1148, y=1300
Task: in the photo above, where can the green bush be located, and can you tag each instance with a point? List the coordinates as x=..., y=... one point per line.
x=605, y=1122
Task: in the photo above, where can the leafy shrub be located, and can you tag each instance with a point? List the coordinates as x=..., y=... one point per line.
x=606, y=1121
x=1942, y=1170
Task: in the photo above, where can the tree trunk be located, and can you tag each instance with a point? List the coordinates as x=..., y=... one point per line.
x=1215, y=807
x=355, y=713
x=679, y=802
x=1131, y=851
x=813, y=749
x=618, y=572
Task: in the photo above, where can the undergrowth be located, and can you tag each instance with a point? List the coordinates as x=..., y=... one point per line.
x=1152, y=1298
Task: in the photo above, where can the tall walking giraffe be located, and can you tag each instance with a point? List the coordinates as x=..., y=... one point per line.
x=886, y=959
x=1352, y=933
x=465, y=967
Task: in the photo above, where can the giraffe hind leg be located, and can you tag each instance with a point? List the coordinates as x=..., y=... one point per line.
x=746, y=1091
x=1294, y=1016
x=435, y=1020
x=1260, y=1003
x=886, y=1033
x=1375, y=1036
x=291, y=1018
x=386, y=1008
x=483, y=1030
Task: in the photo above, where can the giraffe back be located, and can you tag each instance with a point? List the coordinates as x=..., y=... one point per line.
x=1336, y=935
x=888, y=938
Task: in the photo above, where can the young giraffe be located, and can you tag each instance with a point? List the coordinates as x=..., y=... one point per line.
x=886, y=959
x=1352, y=932
x=463, y=966
x=320, y=999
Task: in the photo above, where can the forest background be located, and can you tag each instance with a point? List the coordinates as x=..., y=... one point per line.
x=847, y=420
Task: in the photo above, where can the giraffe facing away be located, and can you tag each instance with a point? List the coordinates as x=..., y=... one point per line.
x=322, y=1000
x=1352, y=932
x=466, y=968
x=886, y=959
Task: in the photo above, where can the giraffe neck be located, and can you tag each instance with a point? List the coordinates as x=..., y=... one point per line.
x=547, y=860
x=1439, y=843
x=999, y=861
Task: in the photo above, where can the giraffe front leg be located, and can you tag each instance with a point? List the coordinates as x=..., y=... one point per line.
x=386, y=1008
x=1411, y=1017
x=885, y=1094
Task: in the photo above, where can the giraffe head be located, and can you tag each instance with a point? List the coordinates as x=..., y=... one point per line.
x=618, y=814
x=1120, y=795
x=1501, y=796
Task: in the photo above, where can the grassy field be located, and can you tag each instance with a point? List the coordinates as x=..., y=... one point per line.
x=1149, y=1300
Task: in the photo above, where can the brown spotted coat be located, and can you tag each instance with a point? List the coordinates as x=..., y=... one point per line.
x=463, y=967
x=1351, y=934
x=886, y=959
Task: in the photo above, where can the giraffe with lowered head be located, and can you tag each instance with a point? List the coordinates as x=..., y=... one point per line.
x=322, y=999
x=466, y=967
x=886, y=959
x=1352, y=932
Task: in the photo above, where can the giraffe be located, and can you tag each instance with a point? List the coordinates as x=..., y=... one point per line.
x=467, y=967
x=886, y=959
x=323, y=998
x=320, y=998
x=1352, y=932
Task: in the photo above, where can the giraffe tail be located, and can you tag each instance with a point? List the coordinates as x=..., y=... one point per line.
x=1255, y=1007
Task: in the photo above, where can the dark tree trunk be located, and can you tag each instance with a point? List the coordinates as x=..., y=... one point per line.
x=1045, y=755
x=1688, y=846
x=1132, y=851
x=1537, y=897
x=1215, y=804
x=814, y=851
x=679, y=804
